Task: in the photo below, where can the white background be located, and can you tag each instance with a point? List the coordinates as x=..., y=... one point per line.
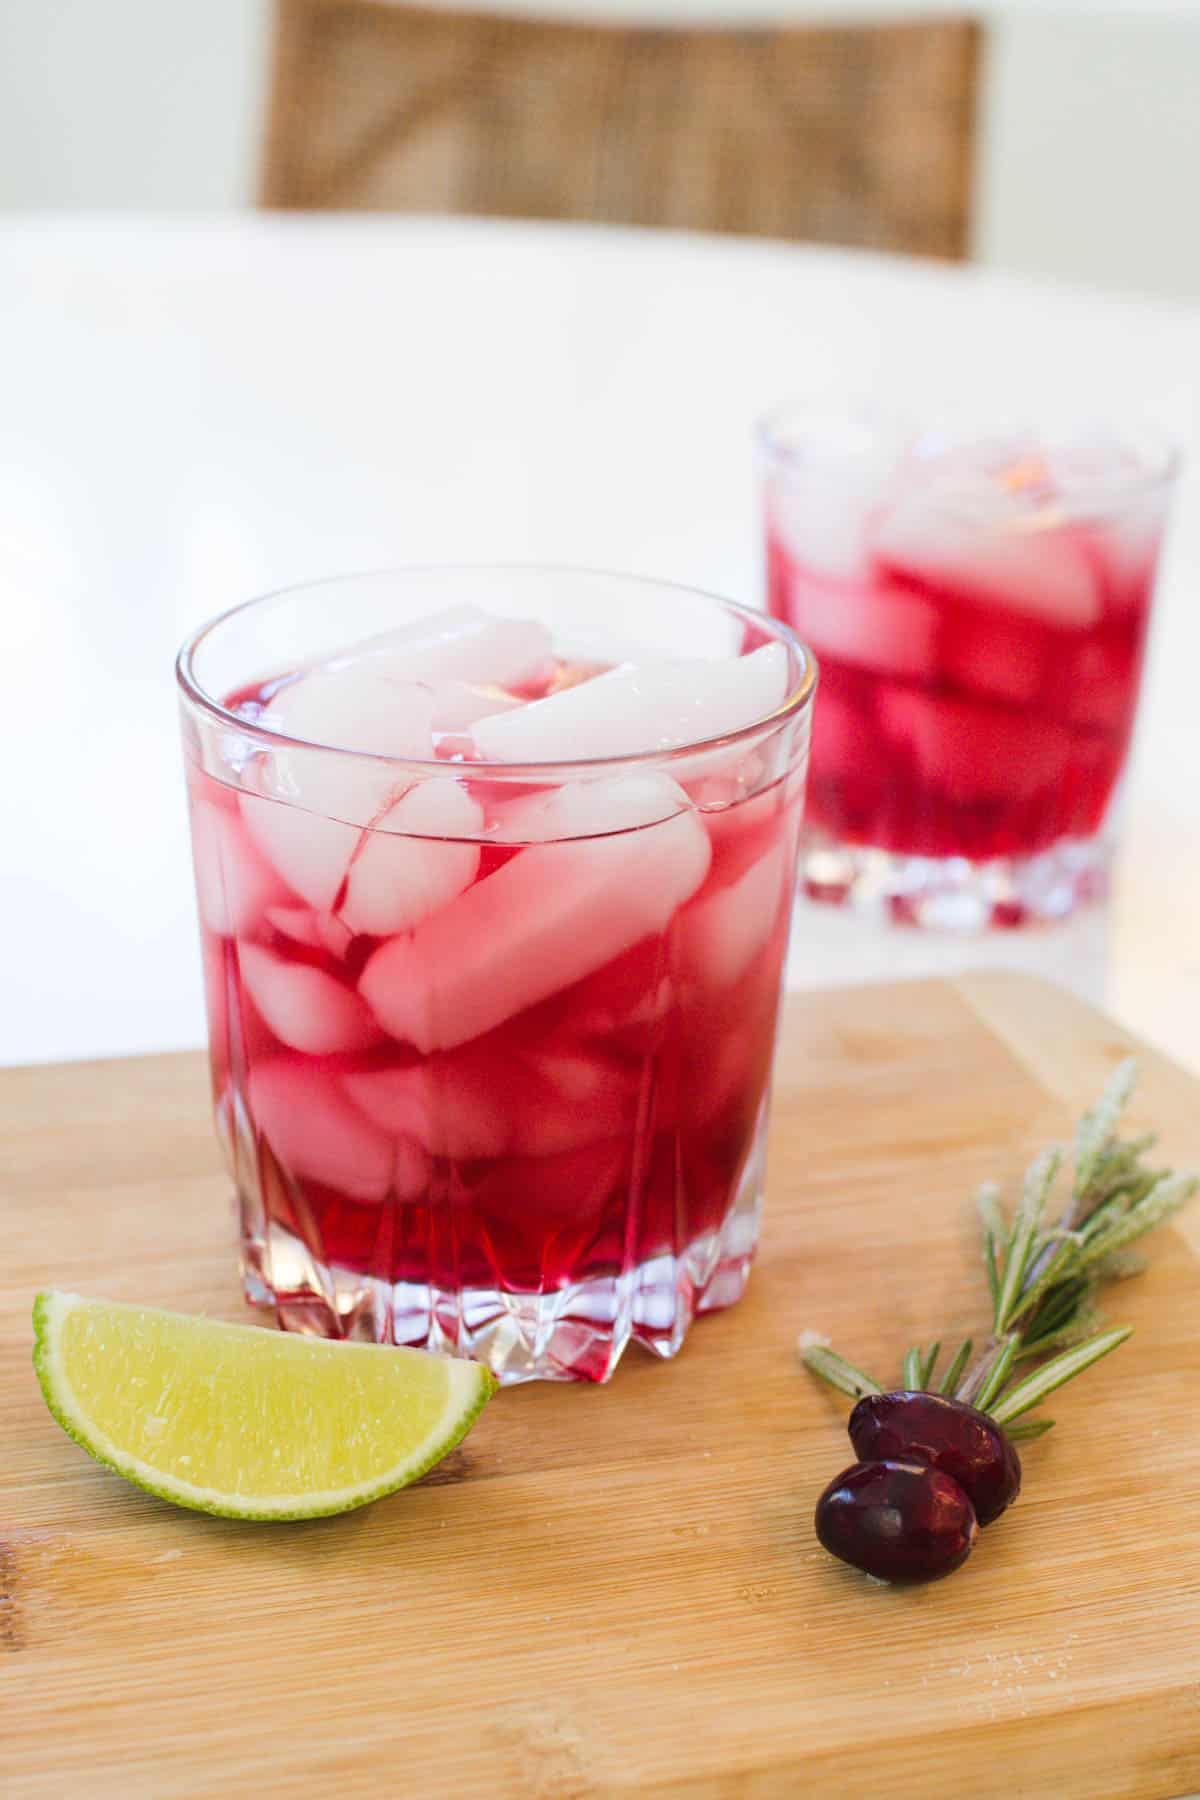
x=197, y=412
x=1088, y=158
x=185, y=419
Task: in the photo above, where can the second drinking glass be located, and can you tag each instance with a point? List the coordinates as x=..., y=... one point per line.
x=979, y=607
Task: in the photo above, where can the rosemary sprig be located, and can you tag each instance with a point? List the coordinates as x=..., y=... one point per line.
x=995, y=1374
x=954, y=1373
x=836, y=1370
x=1043, y=1279
x=1027, y=1429
x=1033, y=1390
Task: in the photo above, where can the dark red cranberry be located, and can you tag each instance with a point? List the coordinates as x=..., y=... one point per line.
x=958, y=1440
x=899, y=1521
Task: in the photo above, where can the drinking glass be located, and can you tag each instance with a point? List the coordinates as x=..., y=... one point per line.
x=491, y=1040
x=978, y=604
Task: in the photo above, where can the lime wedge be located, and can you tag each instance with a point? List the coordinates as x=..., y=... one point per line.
x=248, y=1423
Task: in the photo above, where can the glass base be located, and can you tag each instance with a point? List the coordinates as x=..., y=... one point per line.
x=952, y=893
x=577, y=1332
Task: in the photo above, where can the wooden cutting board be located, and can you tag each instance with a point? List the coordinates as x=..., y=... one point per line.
x=617, y=1591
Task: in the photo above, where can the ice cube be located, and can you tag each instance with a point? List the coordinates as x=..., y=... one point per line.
x=316, y=1134
x=318, y=931
x=305, y=1008
x=872, y=625
x=578, y=670
x=458, y=704
x=657, y=707
x=352, y=710
x=310, y=852
x=720, y=935
x=351, y=706
x=744, y=831
x=972, y=752
x=463, y=644
x=297, y=923
x=572, y=1099
x=306, y=809
x=335, y=936
x=373, y=881
x=473, y=1103
x=581, y=809
x=410, y=864
x=234, y=885
x=991, y=556
x=823, y=518
x=548, y=917
x=721, y=777
x=716, y=786
x=454, y=1106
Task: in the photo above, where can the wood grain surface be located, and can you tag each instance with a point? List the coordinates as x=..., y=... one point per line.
x=617, y=1591
x=844, y=134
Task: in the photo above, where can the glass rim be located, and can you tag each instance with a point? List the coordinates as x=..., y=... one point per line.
x=1163, y=466
x=798, y=698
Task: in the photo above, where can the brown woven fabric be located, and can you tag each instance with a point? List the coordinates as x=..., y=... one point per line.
x=851, y=135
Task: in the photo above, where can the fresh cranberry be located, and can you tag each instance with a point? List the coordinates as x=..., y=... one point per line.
x=957, y=1439
x=899, y=1521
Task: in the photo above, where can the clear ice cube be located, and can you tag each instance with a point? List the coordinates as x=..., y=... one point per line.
x=354, y=706
x=410, y=863
x=721, y=934
x=470, y=1103
x=310, y=852
x=234, y=884
x=873, y=626
x=463, y=644
x=628, y=710
x=315, y=1132
x=303, y=1006
x=548, y=917
x=458, y=704
x=994, y=554
x=580, y=809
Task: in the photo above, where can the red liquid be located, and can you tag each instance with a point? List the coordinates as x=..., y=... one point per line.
x=562, y=1144
x=965, y=711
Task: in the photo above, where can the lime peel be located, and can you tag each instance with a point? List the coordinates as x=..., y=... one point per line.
x=244, y=1422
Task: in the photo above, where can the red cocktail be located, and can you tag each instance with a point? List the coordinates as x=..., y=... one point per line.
x=979, y=611
x=494, y=912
